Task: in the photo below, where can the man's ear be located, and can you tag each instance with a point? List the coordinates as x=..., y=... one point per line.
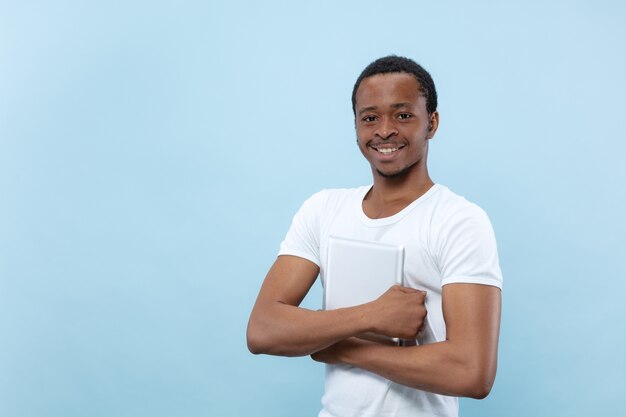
x=433, y=124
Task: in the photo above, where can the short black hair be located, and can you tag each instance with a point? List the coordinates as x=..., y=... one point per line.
x=394, y=63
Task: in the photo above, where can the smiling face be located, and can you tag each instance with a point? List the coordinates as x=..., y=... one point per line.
x=393, y=126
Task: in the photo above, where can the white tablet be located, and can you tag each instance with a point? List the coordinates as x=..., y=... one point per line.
x=358, y=272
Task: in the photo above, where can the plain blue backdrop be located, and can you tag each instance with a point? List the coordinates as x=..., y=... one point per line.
x=152, y=154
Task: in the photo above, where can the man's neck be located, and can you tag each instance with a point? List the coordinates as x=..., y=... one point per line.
x=389, y=196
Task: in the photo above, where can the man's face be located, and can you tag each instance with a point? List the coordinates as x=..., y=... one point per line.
x=392, y=124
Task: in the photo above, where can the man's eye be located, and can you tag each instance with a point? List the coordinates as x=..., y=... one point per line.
x=404, y=116
x=369, y=119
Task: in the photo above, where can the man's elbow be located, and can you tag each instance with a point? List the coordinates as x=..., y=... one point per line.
x=253, y=346
x=479, y=384
x=480, y=390
x=255, y=340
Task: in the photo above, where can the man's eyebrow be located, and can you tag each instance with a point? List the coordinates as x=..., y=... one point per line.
x=366, y=109
x=400, y=105
x=393, y=106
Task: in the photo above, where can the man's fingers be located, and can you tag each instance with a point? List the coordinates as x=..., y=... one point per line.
x=409, y=290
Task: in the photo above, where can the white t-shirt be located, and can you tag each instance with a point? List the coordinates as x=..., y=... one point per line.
x=447, y=240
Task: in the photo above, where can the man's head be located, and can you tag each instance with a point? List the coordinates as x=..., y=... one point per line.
x=395, y=106
x=393, y=63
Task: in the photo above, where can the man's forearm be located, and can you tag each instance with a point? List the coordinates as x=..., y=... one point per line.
x=288, y=330
x=280, y=328
x=442, y=367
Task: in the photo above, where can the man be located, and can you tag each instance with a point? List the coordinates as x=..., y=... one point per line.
x=451, y=269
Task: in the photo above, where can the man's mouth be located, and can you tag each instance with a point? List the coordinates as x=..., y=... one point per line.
x=386, y=150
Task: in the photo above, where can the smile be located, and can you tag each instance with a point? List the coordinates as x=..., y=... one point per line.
x=387, y=150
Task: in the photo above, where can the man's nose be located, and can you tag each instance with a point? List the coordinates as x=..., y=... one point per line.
x=386, y=128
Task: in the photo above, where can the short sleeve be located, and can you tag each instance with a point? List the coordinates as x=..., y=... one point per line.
x=303, y=237
x=467, y=250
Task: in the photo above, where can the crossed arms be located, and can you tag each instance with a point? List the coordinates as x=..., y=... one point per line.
x=462, y=365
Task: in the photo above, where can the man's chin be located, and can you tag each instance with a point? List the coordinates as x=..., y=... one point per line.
x=394, y=174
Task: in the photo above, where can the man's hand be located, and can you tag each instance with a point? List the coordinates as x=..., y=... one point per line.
x=399, y=312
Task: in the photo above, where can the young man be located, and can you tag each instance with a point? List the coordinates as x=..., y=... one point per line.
x=451, y=269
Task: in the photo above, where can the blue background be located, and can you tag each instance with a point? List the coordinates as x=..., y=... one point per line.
x=152, y=155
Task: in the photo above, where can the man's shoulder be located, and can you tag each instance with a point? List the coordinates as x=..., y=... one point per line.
x=450, y=204
x=336, y=195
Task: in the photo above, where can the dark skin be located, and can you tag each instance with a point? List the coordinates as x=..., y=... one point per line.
x=393, y=130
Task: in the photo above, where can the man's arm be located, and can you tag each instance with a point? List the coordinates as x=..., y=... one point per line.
x=462, y=365
x=278, y=326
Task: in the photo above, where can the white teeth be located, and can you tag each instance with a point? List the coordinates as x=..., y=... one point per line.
x=387, y=151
